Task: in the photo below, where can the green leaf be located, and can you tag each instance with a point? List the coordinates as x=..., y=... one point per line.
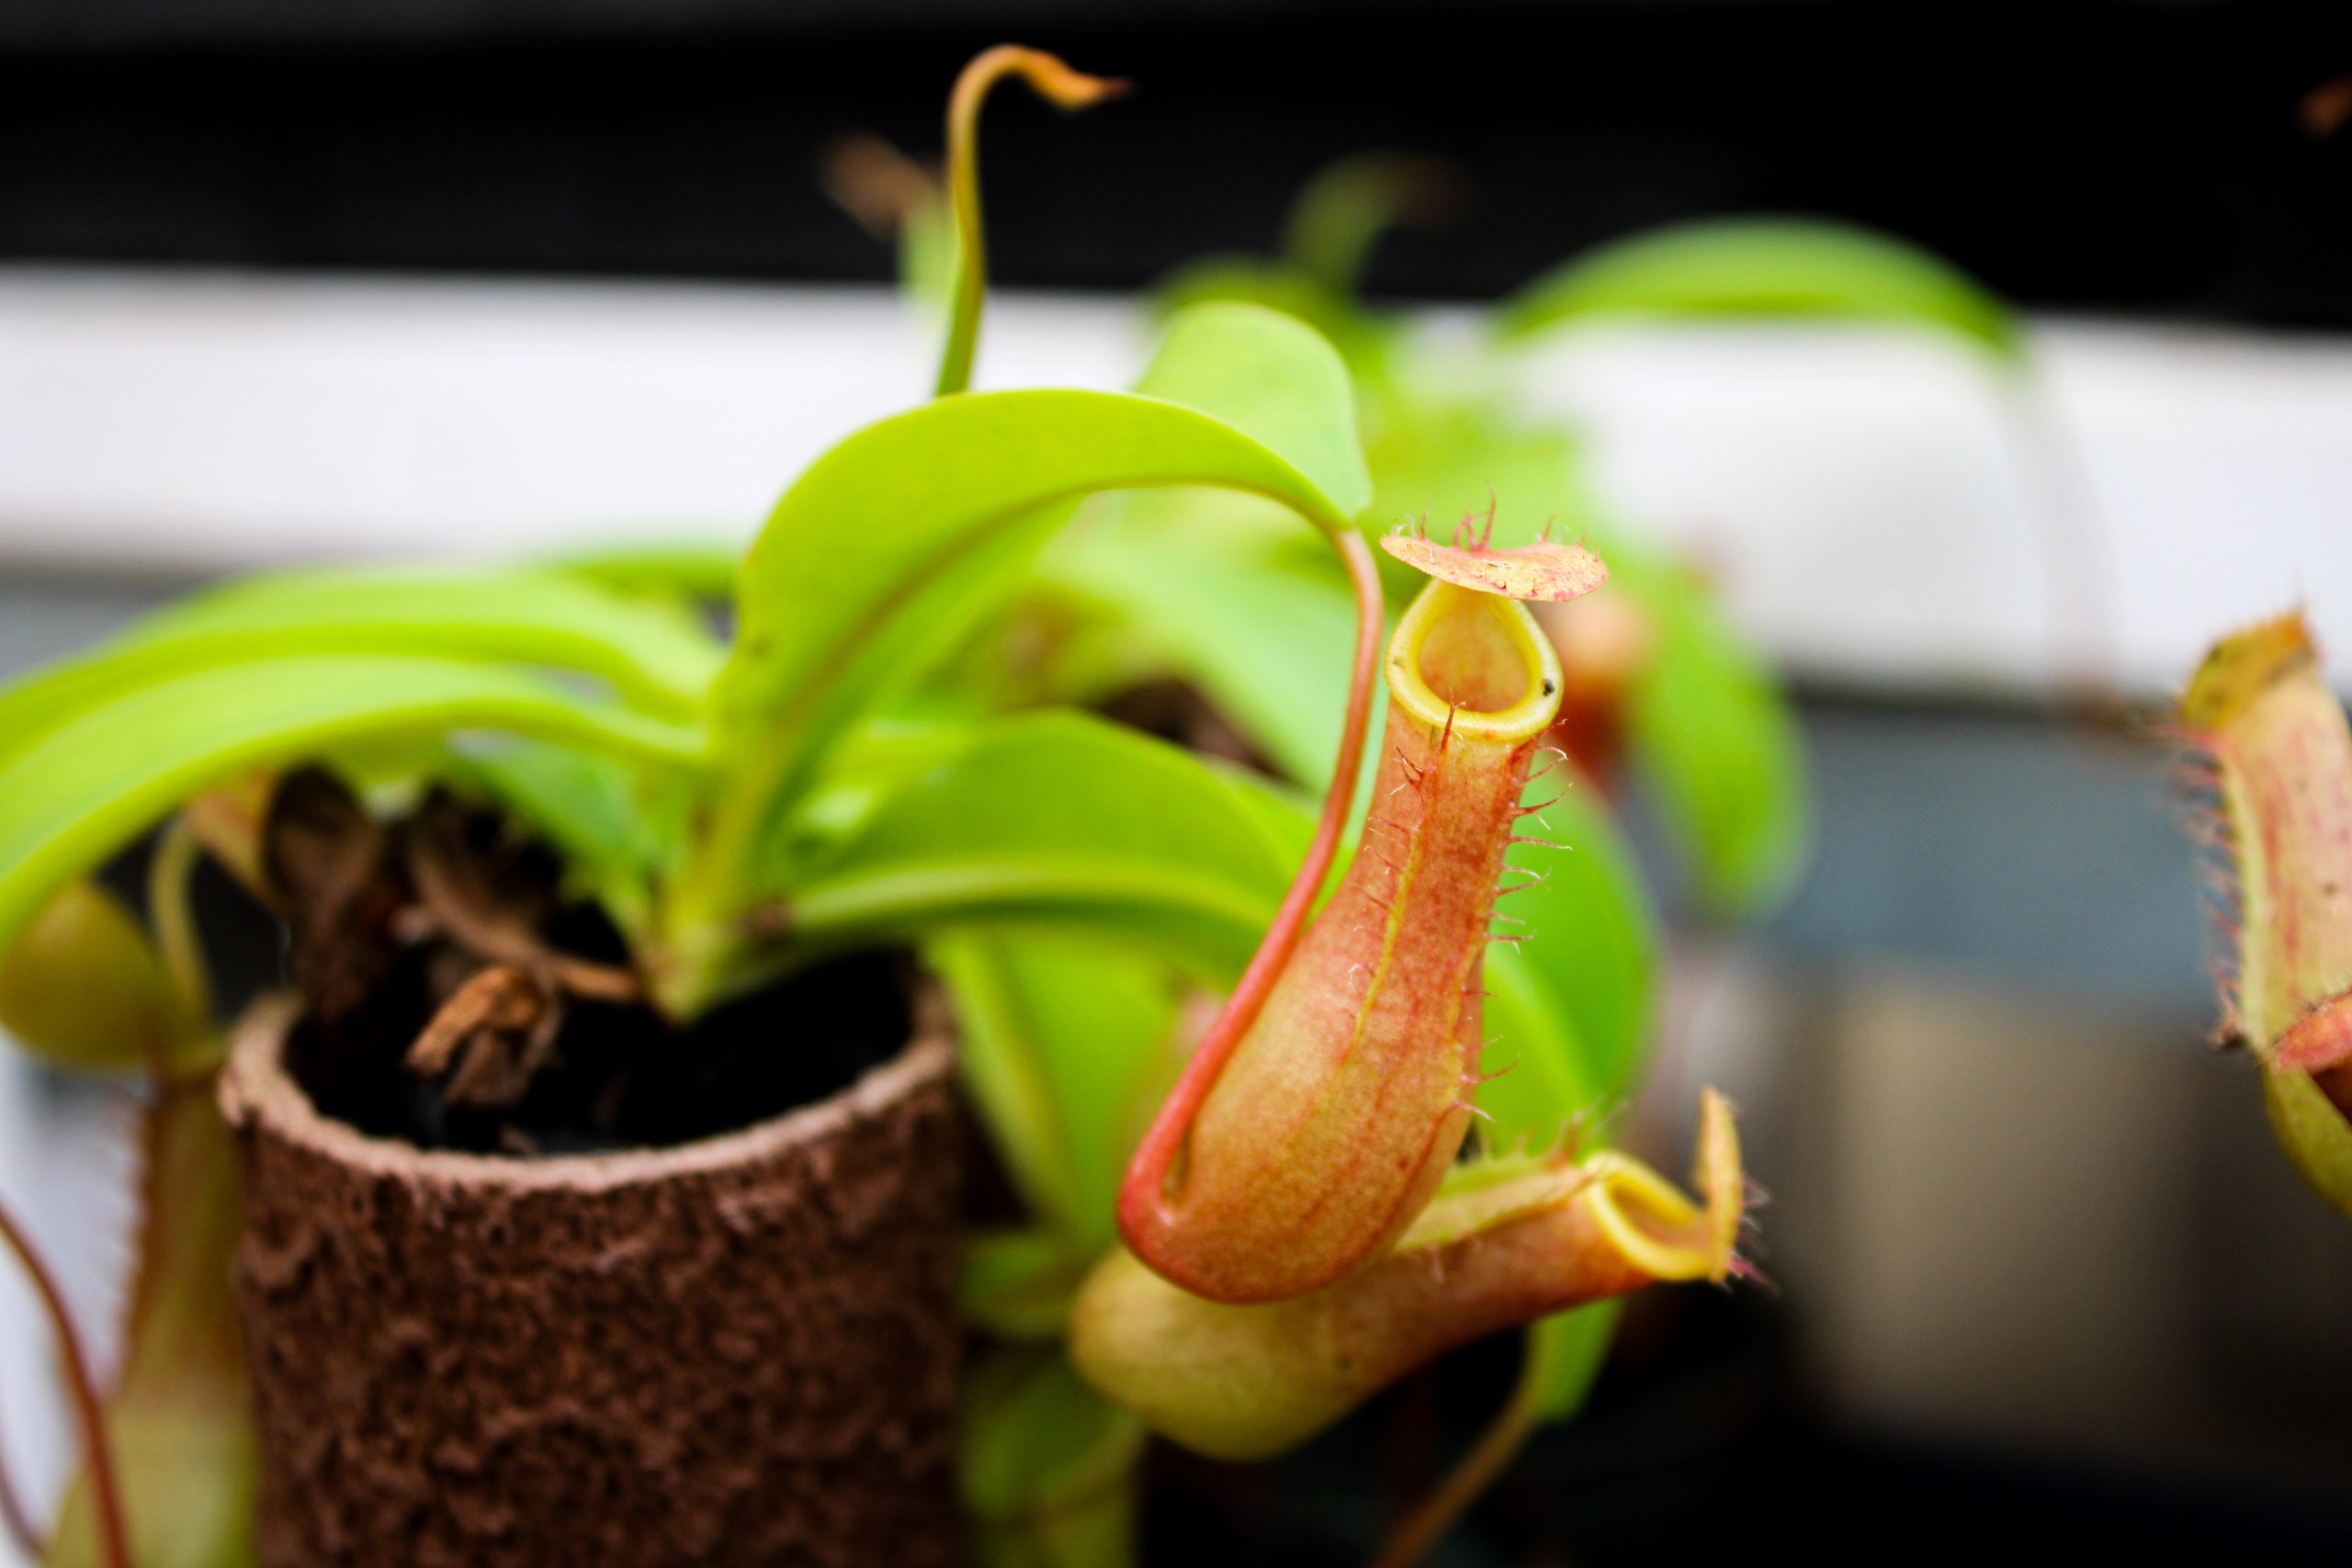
x=891, y=546
x=1570, y=1013
x=1062, y=820
x=1765, y=267
x=1270, y=647
x=88, y=787
x=867, y=765
x=1551, y=1085
x=691, y=570
x=1061, y=1038
x=1568, y=1007
x=1715, y=743
x=651, y=656
x=1049, y=1467
x=1018, y=1284
x=1543, y=1081
x=1361, y=339
x=1272, y=378
x=1591, y=935
x=1340, y=214
x=1565, y=1353
x=180, y=1416
x=1333, y=224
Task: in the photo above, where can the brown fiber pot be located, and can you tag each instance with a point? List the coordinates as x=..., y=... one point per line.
x=741, y=1351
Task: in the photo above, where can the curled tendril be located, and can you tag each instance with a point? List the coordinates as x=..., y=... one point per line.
x=1057, y=84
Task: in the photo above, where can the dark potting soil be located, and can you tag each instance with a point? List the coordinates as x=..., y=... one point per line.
x=387, y=921
x=1180, y=712
x=622, y=1076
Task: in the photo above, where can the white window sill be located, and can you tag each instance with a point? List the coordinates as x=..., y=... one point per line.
x=1859, y=495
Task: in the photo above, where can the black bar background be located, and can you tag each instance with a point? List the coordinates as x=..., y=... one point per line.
x=2136, y=157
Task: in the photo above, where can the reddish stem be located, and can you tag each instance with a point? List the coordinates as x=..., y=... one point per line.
x=1147, y=1172
x=19, y=1523
x=106, y=1498
x=1435, y=1514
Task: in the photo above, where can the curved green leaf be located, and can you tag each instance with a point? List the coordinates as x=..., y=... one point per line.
x=527, y=615
x=873, y=562
x=870, y=761
x=1715, y=743
x=1590, y=934
x=1550, y=1084
x=1272, y=378
x=1764, y=267
x=1568, y=1004
x=1361, y=339
x=1565, y=1355
x=1060, y=1037
x=1047, y=1466
x=1569, y=1015
x=650, y=655
x=1541, y=1082
x=89, y=785
x=1018, y=1283
x=1269, y=646
x=1060, y=820
x=698, y=568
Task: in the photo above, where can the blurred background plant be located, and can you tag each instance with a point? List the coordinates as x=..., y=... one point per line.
x=2271, y=781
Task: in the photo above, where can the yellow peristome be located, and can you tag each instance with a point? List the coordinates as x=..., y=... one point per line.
x=2244, y=666
x=1655, y=1226
x=1475, y=645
